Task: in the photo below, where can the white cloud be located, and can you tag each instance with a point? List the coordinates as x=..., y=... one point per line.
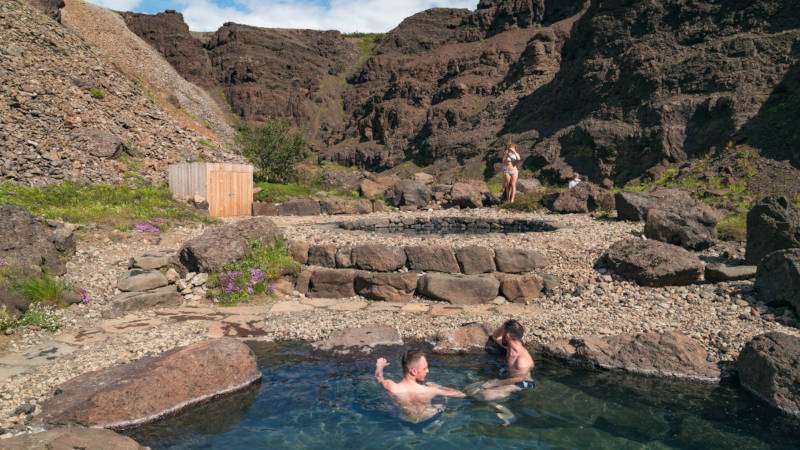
x=342, y=15
x=118, y=5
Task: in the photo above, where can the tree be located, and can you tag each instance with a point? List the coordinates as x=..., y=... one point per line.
x=274, y=149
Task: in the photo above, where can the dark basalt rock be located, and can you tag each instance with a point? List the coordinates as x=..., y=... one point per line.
x=32, y=244
x=772, y=224
x=223, y=244
x=769, y=367
x=652, y=263
x=778, y=278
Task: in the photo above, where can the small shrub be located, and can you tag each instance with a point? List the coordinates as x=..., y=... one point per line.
x=204, y=143
x=97, y=93
x=44, y=289
x=251, y=276
x=275, y=149
x=733, y=228
x=39, y=316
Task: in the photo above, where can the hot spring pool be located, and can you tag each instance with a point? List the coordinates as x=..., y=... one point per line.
x=313, y=401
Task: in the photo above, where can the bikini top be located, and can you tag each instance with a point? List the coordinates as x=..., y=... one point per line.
x=513, y=157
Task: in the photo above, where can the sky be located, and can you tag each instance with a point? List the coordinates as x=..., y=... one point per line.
x=375, y=16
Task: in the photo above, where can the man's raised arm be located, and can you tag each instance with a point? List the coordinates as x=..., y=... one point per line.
x=379, y=365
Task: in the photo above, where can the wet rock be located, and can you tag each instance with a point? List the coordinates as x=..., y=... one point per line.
x=331, y=283
x=378, y=257
x=152, y=387
x=769, y=367
x=141, y=280
x=322, y=255
x=652, y=263
x=300, y=207
x=521, y=288
x=364, y=339
x=475, y=260
x=717, y=273
x=778, y=278
x=459, y=289
x=670, y=354
x=221, y=245
x=390, y=287
x=516, y=260
x=425, y=258
x=29, y=243
x=772, y=224
x=72, y=438
x=472, y=338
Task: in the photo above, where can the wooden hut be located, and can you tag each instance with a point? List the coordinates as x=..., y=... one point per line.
x=226, y=188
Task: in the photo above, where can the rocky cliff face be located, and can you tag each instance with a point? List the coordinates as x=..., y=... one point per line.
x=608, y=88
x=65, y=113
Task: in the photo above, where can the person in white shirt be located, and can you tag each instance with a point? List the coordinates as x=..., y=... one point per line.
x=574, y=182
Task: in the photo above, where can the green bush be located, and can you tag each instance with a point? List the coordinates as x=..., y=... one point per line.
x=733, y=228
x=44, y=289
x=275, y=149
x=251, y=275
x=39, y=316
x=97, y=93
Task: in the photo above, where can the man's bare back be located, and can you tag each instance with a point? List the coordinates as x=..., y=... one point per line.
x=410, y=394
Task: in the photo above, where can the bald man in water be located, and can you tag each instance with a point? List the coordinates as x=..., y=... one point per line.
x=412, y=394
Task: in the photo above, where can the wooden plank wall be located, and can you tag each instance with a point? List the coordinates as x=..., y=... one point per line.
x=228, y=188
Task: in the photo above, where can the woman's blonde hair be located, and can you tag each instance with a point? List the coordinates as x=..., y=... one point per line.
x=511, y=146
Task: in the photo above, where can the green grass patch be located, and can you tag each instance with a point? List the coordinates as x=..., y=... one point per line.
x=205, y=143
x=366, y=42
x=528, y=202
x=240, y=281
x=114, y=205
x=39, y=316
x=97, y=94
x=733, y=228
x=43, y=289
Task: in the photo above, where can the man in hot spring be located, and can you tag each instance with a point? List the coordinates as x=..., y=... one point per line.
x=412, y=394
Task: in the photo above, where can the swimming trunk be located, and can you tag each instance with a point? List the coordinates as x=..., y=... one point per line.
x=526, y=385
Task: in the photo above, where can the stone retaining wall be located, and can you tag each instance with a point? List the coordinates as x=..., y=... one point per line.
x=448, y=224
x=315, y=207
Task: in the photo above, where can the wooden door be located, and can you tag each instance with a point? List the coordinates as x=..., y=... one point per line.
x=230, y=193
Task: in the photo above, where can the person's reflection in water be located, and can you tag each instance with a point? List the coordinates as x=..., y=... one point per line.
x=412, y=394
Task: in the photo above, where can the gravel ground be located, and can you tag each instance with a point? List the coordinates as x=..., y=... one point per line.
x=723, y=317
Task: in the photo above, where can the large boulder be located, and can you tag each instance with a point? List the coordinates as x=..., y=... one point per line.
x=474, y=260
x=364, y=339
x=300, y=207
x=101, y=143
x=583, y=198
x=336, y=206
x=31, y=243
x=298, y=250
x=323, y=255
x=389, y=287
x=772, y=224
x=332, y=283
x=223, y=244
x=652, y=263
x=140, y=300
x=459, y=289
x=409, y=193
x=466, y=195
x=426, y=258
x=376, y=186
x=14, y=303
x=71, y=438
x=138, y=280
x=693, y=228
x=378, y=257
x=518, y=260
x=669, y=354
x=635, y=206
x=51, y=8
x=521, y=288
x=778, y=278
x=471, y=338
x=769, y=367
x=152, y=387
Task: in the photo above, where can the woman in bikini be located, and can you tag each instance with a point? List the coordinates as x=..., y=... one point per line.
x=510, y=172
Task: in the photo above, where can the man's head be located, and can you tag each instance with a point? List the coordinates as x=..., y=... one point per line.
x=415, y=364
x=513, y=330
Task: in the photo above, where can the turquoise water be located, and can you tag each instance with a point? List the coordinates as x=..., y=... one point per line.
x=311, y=401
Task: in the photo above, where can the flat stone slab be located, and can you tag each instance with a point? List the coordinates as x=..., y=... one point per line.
x=17, y=363
x=150, y=388
x=717, y=273
x=320, y=302
x=349, y=305
x=72, y=438
x=289, y=307
x=363, y=339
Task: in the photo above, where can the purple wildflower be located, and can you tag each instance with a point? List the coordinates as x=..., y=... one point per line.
x=85, y=298
x=228, y=281
x=256, y=276
x=147, y=228
x=250, y=290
